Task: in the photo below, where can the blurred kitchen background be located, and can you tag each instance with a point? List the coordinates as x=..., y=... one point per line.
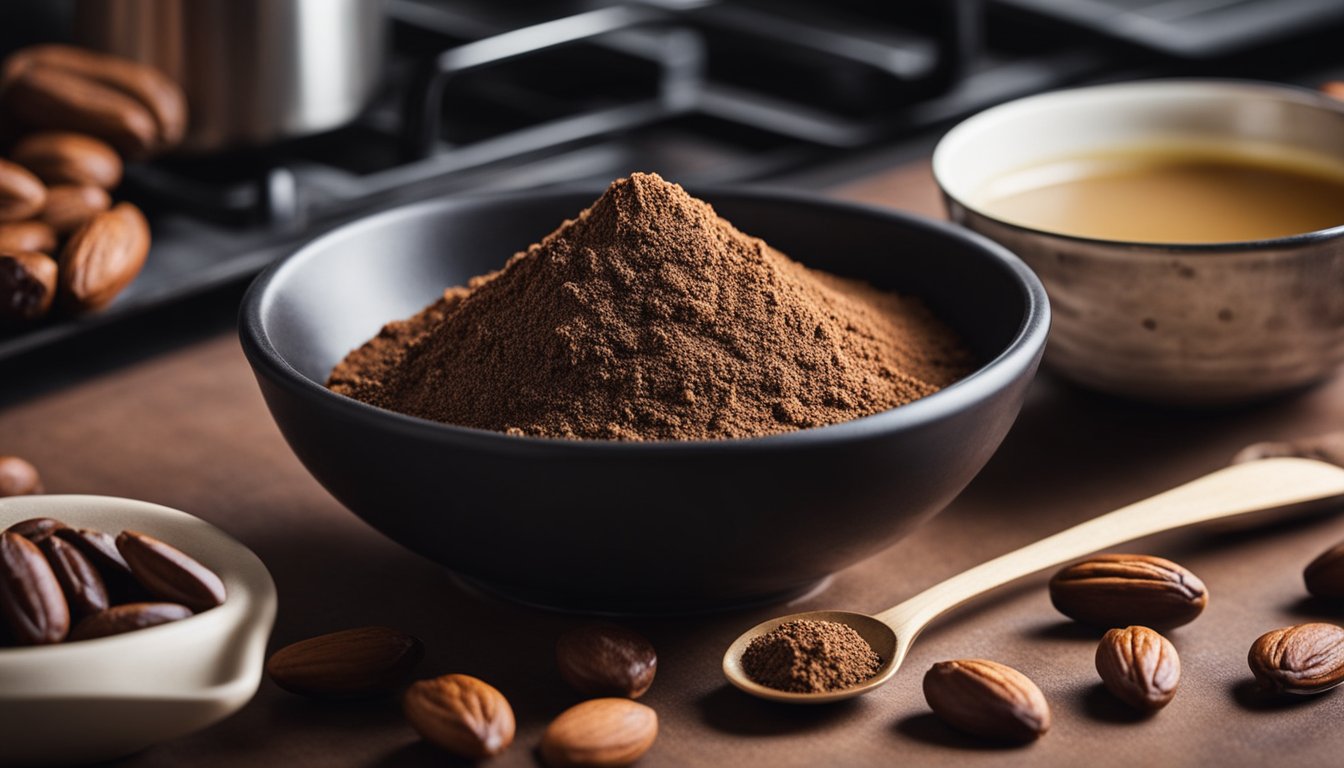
x=309, y=113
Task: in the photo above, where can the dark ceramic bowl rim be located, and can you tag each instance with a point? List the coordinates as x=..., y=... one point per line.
x=988, y=378
x=1300, y=240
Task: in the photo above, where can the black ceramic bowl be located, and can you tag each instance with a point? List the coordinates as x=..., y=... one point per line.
x=640, y=527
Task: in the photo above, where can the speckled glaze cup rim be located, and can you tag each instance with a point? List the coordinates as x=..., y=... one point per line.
x=1298, y=94
x=988, y=377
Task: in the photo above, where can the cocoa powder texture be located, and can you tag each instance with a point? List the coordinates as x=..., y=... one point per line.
x=808, y=656
x=649, y=317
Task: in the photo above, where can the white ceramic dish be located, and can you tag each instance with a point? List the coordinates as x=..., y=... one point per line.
x=99, y=699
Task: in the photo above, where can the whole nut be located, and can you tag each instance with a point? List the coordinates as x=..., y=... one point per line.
x=1324, y=576
x=157, y=93
x=168, y=573
x=352, y=662
x=103, y=257
x=461, y=714
x=70, y=206
x=27, y=286
x=35, y=529
x=988, y=699
x=600, y=733
x=18, y=477
x=99, y=547
x=30, y=596
x=22, y=194
x=46, y=97
x=1120, y=590
x=84, y=590
x=128, y=617
x=17, y=236
x=1307, y=658
x=62, y=157
x=606, y=660
x=1139, y=666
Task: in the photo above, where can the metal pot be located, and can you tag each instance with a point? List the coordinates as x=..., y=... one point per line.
x=255, y=71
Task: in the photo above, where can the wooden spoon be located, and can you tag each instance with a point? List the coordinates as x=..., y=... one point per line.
x=1257, y=486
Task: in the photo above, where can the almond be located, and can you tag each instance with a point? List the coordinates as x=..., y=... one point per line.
x=128, y=618
x=22, y=194
x=18, y=477
x=606, y=660
x=30, y=596
x=17, y=236
x=988, y=699
x=84, y=590
x=70, y=206
x=46, y=97
x=352, y=662
x=1139, y=666
x=1120, y=590
x=1307, y=658
x=157, y=93
x=599, y=732
x=63, y=157
x=103, y=257
x=460, y=714
x=168, y=573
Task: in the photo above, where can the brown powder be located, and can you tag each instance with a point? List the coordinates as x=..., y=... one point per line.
x=810, y=657
x=650, y=318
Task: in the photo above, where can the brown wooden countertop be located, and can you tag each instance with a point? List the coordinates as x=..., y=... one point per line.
x=187, y=428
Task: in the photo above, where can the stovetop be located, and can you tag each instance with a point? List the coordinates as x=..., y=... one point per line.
x=484, y=97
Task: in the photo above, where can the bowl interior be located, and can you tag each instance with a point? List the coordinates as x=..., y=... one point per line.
x=1294, y=125
x=336, y=293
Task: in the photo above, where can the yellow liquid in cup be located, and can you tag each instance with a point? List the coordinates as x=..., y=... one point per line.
x=1173, y=194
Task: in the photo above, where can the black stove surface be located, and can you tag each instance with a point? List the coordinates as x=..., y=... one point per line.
x=486, y=97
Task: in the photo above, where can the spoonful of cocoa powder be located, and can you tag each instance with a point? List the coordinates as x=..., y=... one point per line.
x=649, y=317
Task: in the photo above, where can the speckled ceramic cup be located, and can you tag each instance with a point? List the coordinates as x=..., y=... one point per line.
x=1186, y=324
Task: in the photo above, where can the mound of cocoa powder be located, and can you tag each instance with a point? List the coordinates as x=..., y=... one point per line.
x=807, y=656
x=648, y=317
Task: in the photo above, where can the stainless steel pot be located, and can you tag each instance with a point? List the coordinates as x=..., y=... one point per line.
x=255, y=71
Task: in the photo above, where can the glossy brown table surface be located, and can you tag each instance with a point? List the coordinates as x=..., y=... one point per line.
x=186, y=427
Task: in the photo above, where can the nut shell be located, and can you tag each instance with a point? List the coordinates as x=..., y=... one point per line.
x=1122, y=590
x=31, y=601
x=987, y=699
x=1139, y=666
x=70, y=206
x=1324, y=576
x=128, y=617
x=18, y=477
x=169, y=573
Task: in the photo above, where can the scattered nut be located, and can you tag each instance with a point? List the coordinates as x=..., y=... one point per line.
x=1307, y=658
x=348, y=663
x=606, y=660
x=1324, y=576
x=1120, y=590
x=460, y=714
x=988, y=699
x=600, y=732
x=1139, y=666
x=18, y=477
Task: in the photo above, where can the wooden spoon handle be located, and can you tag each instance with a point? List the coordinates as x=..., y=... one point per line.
x=1241, y=489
